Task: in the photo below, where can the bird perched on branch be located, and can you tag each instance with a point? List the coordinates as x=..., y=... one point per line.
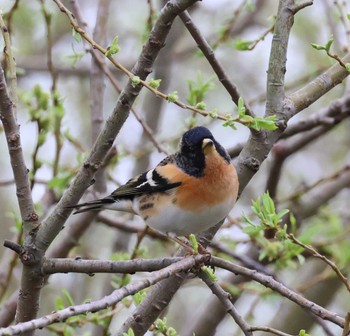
x=187, y=192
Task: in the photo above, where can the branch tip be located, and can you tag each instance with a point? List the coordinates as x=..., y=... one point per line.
x=13, y=246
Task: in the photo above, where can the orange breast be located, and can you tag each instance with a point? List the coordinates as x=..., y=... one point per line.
x=219, y=184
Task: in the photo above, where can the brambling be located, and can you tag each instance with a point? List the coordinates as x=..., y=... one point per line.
x=187, y=192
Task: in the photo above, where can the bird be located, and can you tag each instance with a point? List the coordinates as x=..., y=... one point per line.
x=186, y=193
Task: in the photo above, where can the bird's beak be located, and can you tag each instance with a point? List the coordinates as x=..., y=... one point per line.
x=208, y=146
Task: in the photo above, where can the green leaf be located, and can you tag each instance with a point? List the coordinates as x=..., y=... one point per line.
x=171, y=332
x=282, y=213
x=114, y=48
x=135, y=81
x=76, y=57
x=241, y=108
x=172, y=97
x=242, y=45
x=213, y=114
x=59, y=305
x=139, y=296
x=76, y=36
x=347, y=67
x=198, y=90
x=129, y=333
x=209, y=272
x=317, y=46
x=329, y=43
x=154, y=83
x=201, y=106
x=68, y=297
x=194, y=243
x=302, y=332
x=268, y=123
x=161, y=324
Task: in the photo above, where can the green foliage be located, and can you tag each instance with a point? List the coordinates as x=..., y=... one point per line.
x=75, y=57
x=327, y=232
x=270, y=234
x=194, y=243
x=120, y=256
x=326, y=47
x=201, y=106
x=198, y=90
x=135, y=81
x=154, y=83
x=243, y=45
x=257, y=123
x=129, y=333
x=139, y=296
x=120, y=281
x=64, y=301
x=68, y=328
x=302, y=332
x=209, y=272
x=17, y=227
x=114, y=48
x=59, y=183
x=213, y=114
x=77, y=37
x=172, y=97
x=46, y=110
x=264, y=208
x=160, y=327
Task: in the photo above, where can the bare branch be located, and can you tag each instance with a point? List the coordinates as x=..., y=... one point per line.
x=183, y=265
x=329, y=262
x=77, y=265
x=224, y=297
x=278, y=287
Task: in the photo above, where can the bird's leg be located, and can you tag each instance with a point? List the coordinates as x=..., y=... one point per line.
x=182, y=243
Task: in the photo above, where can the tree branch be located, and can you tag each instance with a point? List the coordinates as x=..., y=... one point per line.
x=185, y=264
x=210, y=56
x=278, y=287
x=77, y=265
x=224, y=297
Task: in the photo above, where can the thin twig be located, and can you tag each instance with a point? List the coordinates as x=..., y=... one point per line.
x=210, y=56
x=224, y=297
x=11, y=62
x=311, y=250
x=278, y=287
x=270, y=330
x=131, y=76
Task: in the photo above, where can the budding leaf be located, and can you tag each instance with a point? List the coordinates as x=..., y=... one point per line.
x=172, y=97
x=135, y=81
x=113, y=48
x=76, y=35
x=210, y=273
x=154, y=83
x=242, y=45
x=329, y=43
x=317, y=46
x=194, y=243
x=201, y=106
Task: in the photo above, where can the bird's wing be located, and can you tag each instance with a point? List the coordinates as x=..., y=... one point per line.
x=147, y=183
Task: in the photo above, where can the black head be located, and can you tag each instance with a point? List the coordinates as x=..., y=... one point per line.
x=191, y=157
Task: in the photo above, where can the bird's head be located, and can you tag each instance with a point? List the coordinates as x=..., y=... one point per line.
x=196, y=144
